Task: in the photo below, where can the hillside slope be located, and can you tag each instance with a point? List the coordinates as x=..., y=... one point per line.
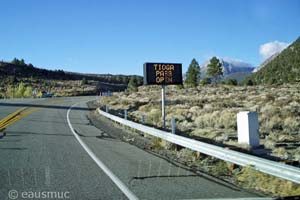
x=28, y=71
x=266, y=62
x=58, y=81
x=284, y=68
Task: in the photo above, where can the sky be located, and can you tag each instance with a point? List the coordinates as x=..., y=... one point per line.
x=118, y=36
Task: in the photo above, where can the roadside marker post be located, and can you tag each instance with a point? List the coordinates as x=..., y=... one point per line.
x=173, y=125
x=143, y=119
x=125, y=114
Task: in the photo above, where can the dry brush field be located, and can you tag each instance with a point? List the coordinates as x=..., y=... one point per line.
x=210, y=112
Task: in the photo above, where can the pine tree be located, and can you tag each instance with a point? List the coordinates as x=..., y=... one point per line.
x=132, y=85
x=22, y=62
x=214, y=68
x=193, y=74
x=15, y=61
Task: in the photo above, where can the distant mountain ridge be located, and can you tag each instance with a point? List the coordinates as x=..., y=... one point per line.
x=279, y=69
x=232, y=68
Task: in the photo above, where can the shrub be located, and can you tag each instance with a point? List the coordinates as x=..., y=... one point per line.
x=281, y=153
x=291, y=124
x=228, y=120
x=185, y=125
x=187, y=154
x=269, y=144
x=28, y=92
x=249, y=82
x=155, y=115
x=207, y=120
x=274, y=123
x=205, y=81
x=220, y=168
x=231, y=82
x=156, y=144
x=250, y=178
x=295, y=107
x=297, y=154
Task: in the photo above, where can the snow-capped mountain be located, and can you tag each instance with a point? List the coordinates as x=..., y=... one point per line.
x=232, y=68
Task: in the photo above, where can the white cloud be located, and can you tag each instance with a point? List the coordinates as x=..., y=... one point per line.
x=268, y=49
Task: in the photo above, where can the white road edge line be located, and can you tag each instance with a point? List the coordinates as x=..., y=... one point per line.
x=106, y=170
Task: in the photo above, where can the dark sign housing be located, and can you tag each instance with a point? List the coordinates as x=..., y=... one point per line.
x=162, y=74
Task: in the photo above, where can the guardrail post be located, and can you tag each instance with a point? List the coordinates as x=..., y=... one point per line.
x=106, y=108
x=125, y=114
x=173, y=125
x=143, y=119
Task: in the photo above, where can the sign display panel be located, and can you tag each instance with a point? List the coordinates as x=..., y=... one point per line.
x=162, y=74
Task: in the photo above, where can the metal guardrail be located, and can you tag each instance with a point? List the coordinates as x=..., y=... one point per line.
x=267, y=166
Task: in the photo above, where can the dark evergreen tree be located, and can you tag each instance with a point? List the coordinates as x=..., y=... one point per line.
x=231, y=82
x=132, y=85
x=22, y=62
x=15, y=61
x=214, y=68
x=205, y=81
x=193, y=74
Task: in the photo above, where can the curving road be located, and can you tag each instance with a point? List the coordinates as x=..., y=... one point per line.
x=40, y=155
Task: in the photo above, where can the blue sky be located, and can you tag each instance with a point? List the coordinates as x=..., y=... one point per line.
x=118, y=36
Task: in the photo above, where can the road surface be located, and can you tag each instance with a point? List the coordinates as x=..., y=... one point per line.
x=40, y=155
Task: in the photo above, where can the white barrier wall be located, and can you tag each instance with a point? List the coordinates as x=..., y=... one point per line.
x=247, y=125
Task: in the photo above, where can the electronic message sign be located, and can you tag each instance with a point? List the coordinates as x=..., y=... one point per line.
x=162, y=74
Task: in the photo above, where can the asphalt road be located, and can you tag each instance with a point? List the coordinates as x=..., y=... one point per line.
x=41, y=156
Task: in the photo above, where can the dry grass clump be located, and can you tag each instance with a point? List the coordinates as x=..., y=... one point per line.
x=297, y=154
x=155, y=116
x=187, y=154
x=253, y=179
x=291, y=124
x=274, y=123
x=281, y=153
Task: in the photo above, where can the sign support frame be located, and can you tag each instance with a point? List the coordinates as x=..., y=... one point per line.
x=163, y=110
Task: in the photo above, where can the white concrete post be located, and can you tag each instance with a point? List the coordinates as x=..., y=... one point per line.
x=106, y=108
x=247, y=125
